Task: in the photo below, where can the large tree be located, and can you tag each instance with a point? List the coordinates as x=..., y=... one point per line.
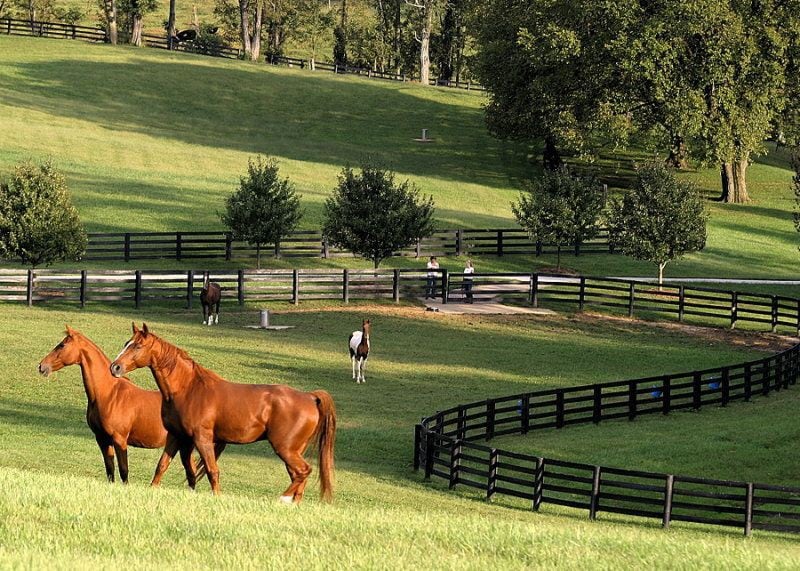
x=372, y=216
x=265, y=209
x=38, y=223
x=660, y=219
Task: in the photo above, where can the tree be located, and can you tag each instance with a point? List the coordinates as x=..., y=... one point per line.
x=796, y=179
x=372, y=216
x=660, y=219
x=265, y=209
x=426, y=9
x=132, y=13
x=314, y=20
x=560, y=208
x=38, y=223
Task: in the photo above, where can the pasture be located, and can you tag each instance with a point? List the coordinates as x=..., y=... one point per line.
x=152, y=141
x=383, y=514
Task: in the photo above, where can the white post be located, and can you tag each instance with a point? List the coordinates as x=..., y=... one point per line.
x=265, y=318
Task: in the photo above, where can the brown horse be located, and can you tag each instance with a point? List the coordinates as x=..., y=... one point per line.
x=119, y=413
x=201, y=409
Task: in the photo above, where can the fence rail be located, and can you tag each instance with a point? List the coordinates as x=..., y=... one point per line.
x=11, y=26
x=446, y=443
x=219, y=245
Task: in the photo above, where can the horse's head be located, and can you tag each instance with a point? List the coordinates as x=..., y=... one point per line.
x=136, y=353
x=66, y=353
x=365, y=326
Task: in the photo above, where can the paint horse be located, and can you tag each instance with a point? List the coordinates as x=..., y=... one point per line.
x=119, y=413
x=359, y=351
x=210, y=297
x=203, y=410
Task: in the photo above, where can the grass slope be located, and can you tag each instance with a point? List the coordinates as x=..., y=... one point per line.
x=56, y=510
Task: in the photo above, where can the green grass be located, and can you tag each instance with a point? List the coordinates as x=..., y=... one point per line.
x=55, y=506
x=155, y=141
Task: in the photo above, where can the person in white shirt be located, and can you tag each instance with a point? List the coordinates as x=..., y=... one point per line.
x=468, y=271
x=433, y=271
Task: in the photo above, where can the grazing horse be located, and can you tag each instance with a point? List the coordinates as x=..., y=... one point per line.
x=119, y=413
x=210, y=296
x=201, y=410
x=359, y=351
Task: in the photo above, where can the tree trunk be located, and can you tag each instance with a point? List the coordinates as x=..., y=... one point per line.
x=110, y=9
x=255, y=37
x=661, y=267
x=678, y=153
x=734, y=182
x=558, y=257
x=244, y=26
x=136, y=30
x=258, y=256
x=551, y=158
x=171, y=26
x=425, y=44
x=398, y=38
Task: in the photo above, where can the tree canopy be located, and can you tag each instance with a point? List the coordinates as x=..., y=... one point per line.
x=38, y=223
x=372, y=216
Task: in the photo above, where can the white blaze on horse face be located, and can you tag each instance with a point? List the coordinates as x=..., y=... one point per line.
x=128, y=344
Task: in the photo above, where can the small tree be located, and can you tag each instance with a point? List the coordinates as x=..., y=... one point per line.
x=796, y=179
x=559, y=208
x=38, y=223
x=373, y=217
x=265, y=209
x=660, y=219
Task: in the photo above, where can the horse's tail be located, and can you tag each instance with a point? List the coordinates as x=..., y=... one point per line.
x=326, y=437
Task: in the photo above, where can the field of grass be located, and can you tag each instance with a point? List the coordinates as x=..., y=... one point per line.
x=155, y=141
x=55, y=505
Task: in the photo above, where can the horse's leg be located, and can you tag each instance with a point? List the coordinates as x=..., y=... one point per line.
x=121, y=448
x=364, y=369
x=216, y=314
x=166, y=457
x=354, y=361
x=205, y=446
x=205, y=312
x=188, y=464
x=107, y=450
x=299, y=470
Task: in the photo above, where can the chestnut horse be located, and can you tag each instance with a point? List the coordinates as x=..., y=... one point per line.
x=210, y=296
x=201, y=409
x=119, y=413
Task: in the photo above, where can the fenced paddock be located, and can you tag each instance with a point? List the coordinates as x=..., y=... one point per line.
x=219, y=245
x=447, y=444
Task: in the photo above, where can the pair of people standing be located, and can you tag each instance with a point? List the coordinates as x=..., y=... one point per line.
x=433, y=271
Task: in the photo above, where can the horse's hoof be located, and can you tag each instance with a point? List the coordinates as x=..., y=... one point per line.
x=287, y=500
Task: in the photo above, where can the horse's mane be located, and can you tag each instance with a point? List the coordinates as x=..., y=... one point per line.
x=170, y=354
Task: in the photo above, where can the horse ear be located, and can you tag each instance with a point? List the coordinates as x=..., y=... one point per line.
x=145, y=331
x=68, y=330
x=134, y=328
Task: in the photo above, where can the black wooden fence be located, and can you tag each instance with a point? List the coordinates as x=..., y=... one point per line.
x=220, y=245
x=445, y=443
x=11, y=26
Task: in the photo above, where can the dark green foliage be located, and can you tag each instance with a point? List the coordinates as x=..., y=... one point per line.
x=265, y=209
x=660, y=219
x=38, y=223
x=339, y=46
x=206, y=42
x=796, y=179
x=560, y=208
x=372, y=216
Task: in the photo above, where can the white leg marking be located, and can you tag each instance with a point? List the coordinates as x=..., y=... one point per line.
x=286, y=499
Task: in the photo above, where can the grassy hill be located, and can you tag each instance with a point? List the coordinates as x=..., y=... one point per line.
x=153, y=141
x=56, y=509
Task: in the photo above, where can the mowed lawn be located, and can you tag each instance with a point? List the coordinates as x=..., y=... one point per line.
x=56, y=509
x=153, y=141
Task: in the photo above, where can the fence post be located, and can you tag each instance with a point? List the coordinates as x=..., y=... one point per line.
x=581, y=293
x=748, y=382
x=798, y=318
x=534, y=293
x=696, y=386
x=681, y=302
x=346, y=285
x=778, y=372
x=748, y=510
x=491, y=483
x=240, y=286
x=538, y=487
x=489, y=419
x=295, y=286
x=500, y=243
x=29, y=289
x=127, y=252
x=666, y=395
x=396, y=286
x=455, y=462
x=83, y=288
x=525, y=414
x=538, y=248
x=417, y=446
x=631, y=400
x=325, y=248
x=189, y=288
x=774, y=313
x=178, y=245
x=137, y=289
x=445, y=285
x=594, y=502
x=228, y=246
x=461, y=425
x=725, y=384
x=734, y=308
x=597, y=409
x=430, y=443
x=765, y=377
x=559, y=408
x=577, y=248
x=459, y=242
x=665, y=519
x=631, y=295
x=73, y=31
x=418, y=252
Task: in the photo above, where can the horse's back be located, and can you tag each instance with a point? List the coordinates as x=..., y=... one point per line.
x=355, y=340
